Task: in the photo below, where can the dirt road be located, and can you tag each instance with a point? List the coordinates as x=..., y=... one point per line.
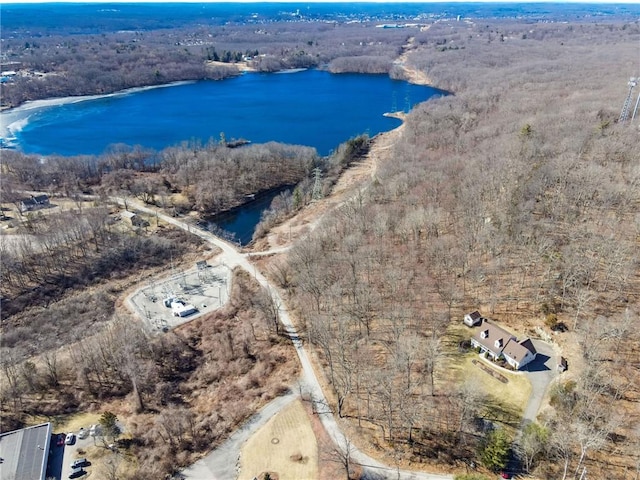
x=310, y=384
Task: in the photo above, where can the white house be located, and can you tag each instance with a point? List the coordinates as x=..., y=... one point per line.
x=498, y=343
x=519, y=354
x=33, y=203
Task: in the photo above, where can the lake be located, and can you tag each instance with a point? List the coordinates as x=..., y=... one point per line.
x=239, y=224
x=310, y=107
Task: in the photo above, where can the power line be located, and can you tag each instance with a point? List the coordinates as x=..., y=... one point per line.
x=317, y=186
x=624, y=114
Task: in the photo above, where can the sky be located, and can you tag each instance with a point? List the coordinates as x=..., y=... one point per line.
x=326, y=1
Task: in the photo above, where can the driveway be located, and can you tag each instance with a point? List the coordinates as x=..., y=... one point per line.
x=540, y=373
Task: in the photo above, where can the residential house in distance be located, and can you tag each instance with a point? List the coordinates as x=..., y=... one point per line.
x=498, y=343
x=33, y=203
x=136, y=220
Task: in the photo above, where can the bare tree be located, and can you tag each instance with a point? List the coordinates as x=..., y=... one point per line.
x=110, y=466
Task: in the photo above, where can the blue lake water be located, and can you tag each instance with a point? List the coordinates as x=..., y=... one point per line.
x=310, y=107
x=239, y=224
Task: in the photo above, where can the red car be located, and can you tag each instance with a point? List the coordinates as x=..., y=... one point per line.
x=60, y=440
x=505, y=475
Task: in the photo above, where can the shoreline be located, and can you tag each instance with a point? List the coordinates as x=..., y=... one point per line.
x=14, y=119
x=412, y=76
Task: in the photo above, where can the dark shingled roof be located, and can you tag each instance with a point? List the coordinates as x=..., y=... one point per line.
x=493, y=333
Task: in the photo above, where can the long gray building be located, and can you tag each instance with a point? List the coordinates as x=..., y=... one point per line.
x=24, y=453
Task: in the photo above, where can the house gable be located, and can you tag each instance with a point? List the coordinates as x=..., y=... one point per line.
x=491, y=338
x=528, y=344
x=515, y=353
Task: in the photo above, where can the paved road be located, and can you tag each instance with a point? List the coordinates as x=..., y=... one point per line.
x=232, y=258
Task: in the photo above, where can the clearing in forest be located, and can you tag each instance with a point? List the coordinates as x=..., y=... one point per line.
x=285, y=446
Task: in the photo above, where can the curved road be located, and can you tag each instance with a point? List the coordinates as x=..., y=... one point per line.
x=309, y=382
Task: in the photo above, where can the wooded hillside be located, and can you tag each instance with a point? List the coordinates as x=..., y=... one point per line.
x=518, y=195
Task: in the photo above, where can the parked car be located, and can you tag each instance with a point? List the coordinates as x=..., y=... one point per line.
x=82, y=433
x=60, y=439
x=76, y=472
x=505, y=475
x=70, y=440
x=79, y=463
x=94, y=430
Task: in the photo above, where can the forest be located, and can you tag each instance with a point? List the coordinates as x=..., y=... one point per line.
x=60, y=65
x=518, y=195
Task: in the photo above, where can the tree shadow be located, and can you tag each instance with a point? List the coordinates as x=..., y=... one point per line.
x=499, y=412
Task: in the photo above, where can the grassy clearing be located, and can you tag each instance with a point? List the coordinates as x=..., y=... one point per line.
x=456, y=363
x=286, y=445
x=507, y=401
x=73, y=422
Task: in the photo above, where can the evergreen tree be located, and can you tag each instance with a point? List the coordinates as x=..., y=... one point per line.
x=109, y=424
x=494, y=451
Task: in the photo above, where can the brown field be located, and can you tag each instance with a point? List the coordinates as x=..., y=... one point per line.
x=286, y=446
x=73, y=422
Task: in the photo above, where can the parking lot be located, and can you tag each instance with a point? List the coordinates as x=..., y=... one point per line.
x=205, y=287
x=63, y=454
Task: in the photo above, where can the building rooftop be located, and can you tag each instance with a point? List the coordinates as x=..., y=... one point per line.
x=24, y=453
x=488, y=334
x=515, y=350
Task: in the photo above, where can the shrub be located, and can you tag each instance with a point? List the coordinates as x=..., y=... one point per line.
x=470, y=476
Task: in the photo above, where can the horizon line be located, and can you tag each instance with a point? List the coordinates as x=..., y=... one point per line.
x=109, y=2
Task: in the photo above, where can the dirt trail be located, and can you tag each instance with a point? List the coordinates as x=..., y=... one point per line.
x=412, y=75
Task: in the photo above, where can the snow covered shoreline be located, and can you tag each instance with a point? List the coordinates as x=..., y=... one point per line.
x=12, y=121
